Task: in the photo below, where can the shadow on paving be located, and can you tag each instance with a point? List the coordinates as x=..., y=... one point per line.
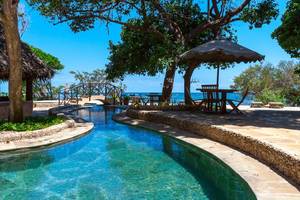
x=256, y=118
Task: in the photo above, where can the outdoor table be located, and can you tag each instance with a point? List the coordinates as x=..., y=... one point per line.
x=223, y=99
x=145, y=100
x=135, y=100
x=154, y=97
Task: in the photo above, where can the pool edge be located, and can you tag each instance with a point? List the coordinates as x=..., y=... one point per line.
x=264, y=182
x=61, y=137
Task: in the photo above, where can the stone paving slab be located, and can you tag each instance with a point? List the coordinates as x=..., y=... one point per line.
x=265, y=183
x=272, y=136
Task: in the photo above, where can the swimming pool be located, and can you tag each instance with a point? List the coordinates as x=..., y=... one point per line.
x=115, y=161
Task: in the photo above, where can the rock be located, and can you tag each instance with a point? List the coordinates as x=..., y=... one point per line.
x=257, y=104
x=276, y=105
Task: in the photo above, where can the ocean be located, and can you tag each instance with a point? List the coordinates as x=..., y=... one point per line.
x=179, y=96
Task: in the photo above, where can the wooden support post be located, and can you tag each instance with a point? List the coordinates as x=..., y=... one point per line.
x=90, y=91
x=64, y=96
x=29, y=87
x=114, y=97
x=77, y=100
x=58, y=97
x=105, y=90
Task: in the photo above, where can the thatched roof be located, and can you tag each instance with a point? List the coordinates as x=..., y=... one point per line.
x=220, y=51
x=33, y=67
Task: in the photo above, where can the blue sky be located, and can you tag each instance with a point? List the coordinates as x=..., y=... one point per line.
x=88, y=50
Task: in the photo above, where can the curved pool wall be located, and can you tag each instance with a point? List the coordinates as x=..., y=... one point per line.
x=117, y=161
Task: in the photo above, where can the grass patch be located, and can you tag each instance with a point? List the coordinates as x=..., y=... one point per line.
x=31, y=123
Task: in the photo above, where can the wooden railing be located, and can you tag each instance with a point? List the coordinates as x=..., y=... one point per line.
x=72, y=94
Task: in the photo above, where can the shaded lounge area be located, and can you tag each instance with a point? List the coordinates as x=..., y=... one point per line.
x=33, y=69
x=218, y=53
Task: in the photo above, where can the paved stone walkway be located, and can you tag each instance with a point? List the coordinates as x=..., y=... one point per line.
x=279, y=128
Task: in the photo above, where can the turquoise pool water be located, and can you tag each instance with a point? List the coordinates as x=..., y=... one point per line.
x=116, y=161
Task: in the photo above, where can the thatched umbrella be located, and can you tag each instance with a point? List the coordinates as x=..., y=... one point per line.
x=219, y=52
x=33, y=67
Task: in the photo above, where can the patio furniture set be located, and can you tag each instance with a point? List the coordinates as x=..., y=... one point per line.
x=151, y=98
x=215, y=100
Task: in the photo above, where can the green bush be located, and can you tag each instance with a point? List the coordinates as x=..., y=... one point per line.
x=31, y=123
x=272, y=83
x=267, y=96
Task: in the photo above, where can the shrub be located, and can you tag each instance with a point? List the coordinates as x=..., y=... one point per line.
x=31, y=123
x=267, y=96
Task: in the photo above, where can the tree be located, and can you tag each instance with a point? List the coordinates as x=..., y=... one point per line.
x=288, y=33
x=269, y=83
x=48, y=59
x=98, y=75
x=146, y=54
x=43, y=89
x=82, y=15
x=9, y=20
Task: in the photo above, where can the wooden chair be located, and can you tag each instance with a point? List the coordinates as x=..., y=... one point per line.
x=235, y=107
x=154, y=98
x=136, y=100
x=211, y=98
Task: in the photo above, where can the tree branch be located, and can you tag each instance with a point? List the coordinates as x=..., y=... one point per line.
x=172, y=25
x=235, y=19
x=127, y=25
x=216, y=9
x=218, y=22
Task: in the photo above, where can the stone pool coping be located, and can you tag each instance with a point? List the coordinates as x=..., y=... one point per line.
x=265, y=183
x=10, y=136
x=61, y=133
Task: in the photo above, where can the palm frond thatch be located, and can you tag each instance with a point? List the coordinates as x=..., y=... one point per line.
x=33, y=67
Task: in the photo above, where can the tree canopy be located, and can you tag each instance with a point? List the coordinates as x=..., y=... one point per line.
x=43, y=89
x=98, y=75
x=288, y=33
x=82, y=15
x=161, y=19
x=271, y=83
x=50, y=60
x=147, y=54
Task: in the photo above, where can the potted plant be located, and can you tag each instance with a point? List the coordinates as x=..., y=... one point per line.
x=126, y=100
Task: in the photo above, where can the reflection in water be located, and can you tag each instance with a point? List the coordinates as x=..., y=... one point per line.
x=116, y=161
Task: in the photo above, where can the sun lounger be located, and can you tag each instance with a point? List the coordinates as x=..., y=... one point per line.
x=276, y=105
x=257, y=104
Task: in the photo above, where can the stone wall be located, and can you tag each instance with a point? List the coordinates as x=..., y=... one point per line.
x=45, y=104
x=9, y=136
x=4, y=109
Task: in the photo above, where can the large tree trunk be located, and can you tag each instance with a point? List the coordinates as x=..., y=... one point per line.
x=9, y=19
x=168, y=83
x=187, y=85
